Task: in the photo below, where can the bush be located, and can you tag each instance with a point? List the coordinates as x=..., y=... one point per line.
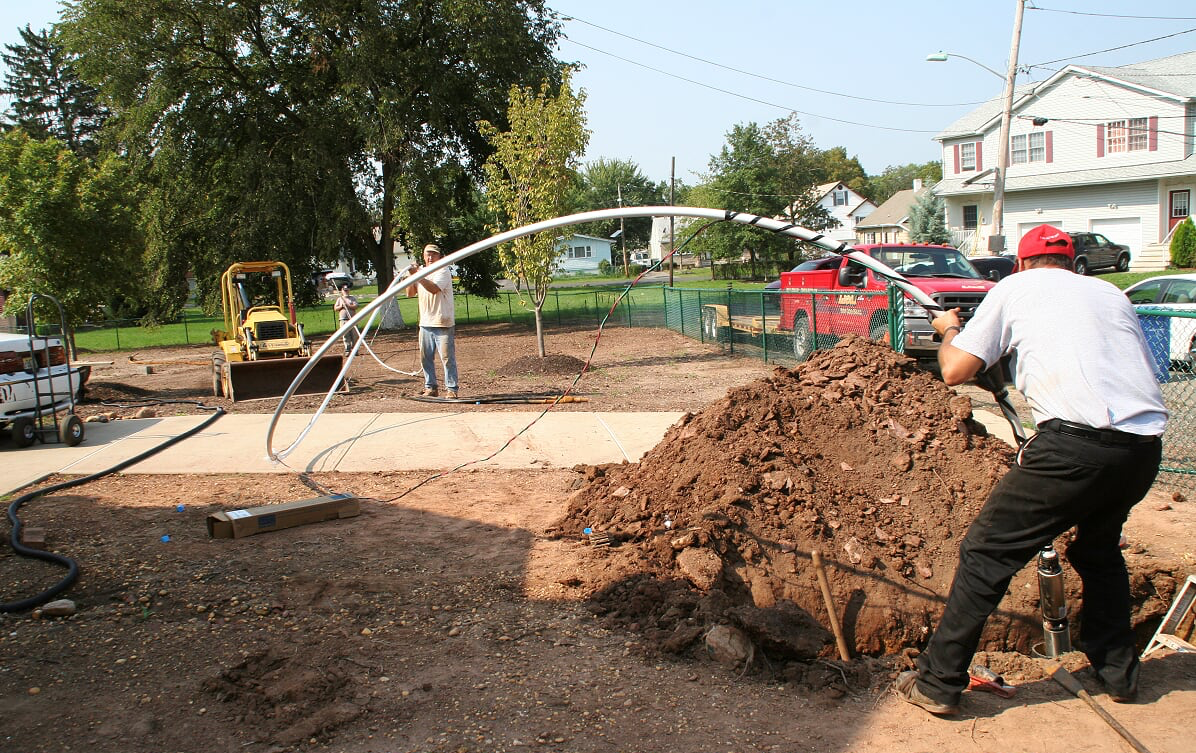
x=1183, y=245
x=604, y=267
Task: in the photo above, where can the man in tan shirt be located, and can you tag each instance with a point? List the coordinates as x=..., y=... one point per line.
x=436, y=325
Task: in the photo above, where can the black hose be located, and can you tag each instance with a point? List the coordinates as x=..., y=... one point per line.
x=58, y=559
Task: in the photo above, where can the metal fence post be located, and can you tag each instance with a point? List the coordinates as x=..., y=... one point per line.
x=730, y=329
x=466, y=307
x=556, y=294
x=510, y=312
x=664, y=300
x=701, y=329
x=186, y=335
x=117, y=334
x=763, y=327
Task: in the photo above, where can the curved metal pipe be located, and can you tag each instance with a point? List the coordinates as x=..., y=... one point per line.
x=726, y=215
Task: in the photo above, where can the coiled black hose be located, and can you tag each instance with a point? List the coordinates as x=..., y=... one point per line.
x=58, y=559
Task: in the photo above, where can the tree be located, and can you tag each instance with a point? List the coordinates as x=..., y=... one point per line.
x=838, y=167
x=68, y=227
x=529, y=177
x=1183, y=245
x=928, y=219
x=606, y=183
x=769, y=171
x=48, y=97
x=896, y=178
x=291, y=129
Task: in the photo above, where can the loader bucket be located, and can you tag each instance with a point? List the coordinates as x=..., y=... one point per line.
x=250, y=380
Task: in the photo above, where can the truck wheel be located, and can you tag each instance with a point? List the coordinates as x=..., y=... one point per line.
x=218, y=374
x=23, y=432
x=1123, y=263
x=70, y=431
x=803, y=339
x=1081, y=266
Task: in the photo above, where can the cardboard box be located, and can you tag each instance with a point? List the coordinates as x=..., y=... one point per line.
x=235, y=524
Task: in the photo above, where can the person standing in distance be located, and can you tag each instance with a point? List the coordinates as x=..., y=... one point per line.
x=1083, y=364
x=345, y=307
x=436, y=325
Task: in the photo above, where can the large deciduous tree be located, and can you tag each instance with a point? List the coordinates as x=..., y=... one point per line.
x=49, y=100
x=67, y=227
x=290, y=129
x=528, y=180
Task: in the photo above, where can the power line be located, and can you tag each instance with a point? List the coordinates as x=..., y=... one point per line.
x=1112, y=49
x=1112, y=15
x=767, y=78
x=786, y=108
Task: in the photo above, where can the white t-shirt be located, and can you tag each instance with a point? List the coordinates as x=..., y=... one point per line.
x=436, y=309
x=1079, y=351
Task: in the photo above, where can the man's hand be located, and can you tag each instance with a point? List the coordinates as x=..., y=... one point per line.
x=945, y=321
x=957, y=366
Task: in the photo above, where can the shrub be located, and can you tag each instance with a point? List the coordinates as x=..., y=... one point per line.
x=604, y=267
x=1183, y=245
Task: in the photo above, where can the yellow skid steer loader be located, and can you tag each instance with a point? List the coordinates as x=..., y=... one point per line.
x=262, y=348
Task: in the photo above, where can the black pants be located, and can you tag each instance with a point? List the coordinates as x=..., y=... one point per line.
x=1058, y=481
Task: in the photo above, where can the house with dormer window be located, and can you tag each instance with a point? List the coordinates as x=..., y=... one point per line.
x=1091, y=149
x=847, y=207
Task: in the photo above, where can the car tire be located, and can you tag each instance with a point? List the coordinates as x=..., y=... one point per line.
x=1123, y=263
x=803, y=339
x=1081, y=265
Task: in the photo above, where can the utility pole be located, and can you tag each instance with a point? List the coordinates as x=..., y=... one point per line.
x=672, y=217
x=998, y=223
x=622, y=235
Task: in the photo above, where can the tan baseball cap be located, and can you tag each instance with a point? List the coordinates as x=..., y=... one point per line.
x=433, y=248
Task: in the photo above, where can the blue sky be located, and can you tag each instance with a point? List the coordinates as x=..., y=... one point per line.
x=650, y=104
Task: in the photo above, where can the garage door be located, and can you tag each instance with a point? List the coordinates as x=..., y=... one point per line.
x=1126, y=231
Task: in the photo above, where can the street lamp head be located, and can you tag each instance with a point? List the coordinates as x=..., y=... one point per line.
x=937, y=57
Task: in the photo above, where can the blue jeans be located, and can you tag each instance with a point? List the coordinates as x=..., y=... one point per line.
x=433, y=340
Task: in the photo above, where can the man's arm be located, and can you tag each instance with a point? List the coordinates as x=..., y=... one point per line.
x=957, y=366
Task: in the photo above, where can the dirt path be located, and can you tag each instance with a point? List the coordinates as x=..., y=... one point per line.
x=466, y=615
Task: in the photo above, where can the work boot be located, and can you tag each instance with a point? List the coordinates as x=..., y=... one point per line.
x=451, y=394
x=430, y=392
x=906, y=686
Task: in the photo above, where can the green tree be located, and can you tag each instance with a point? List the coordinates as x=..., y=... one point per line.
x=529, y=177
x=49, y=100
x=836, y=166
x=896, y=178
x=291, y=129
x=606, y=183
x=1183, y=245
x=928, y=220
x=769, y=171
x=68, y=227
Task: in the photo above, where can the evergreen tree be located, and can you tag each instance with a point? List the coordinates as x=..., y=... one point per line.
x=49, y=100
x=1183, y=245
x=927, y=219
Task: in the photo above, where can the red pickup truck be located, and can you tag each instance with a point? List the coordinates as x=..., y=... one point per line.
x=840, y=296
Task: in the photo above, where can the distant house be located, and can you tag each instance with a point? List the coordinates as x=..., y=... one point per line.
x=581, y=254
x=847, y=207
x=1091, y=149
x=661, y=241
x=889, y=223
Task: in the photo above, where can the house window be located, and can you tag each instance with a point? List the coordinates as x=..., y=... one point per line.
x=839, y=197
x=967, y=156
x=1028, y=147
x=580, y=252
x=971, y=217
x=1132, y=135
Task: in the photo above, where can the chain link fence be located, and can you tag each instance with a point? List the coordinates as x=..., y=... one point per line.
x=1171, y=336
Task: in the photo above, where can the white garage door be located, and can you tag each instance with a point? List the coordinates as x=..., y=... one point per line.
x=1126, y=231
x=1025, y=227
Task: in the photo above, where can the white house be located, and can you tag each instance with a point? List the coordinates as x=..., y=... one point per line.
x=581, y=254
x=889, y=223
x=846, y=206
x=1091, y=149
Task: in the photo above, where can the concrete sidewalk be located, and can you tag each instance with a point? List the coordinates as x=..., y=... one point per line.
x=348, y=442
x=359, y=443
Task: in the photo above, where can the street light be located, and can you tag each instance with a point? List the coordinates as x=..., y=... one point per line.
x=996, y=242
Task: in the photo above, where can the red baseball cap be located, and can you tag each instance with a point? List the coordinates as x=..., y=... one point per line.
x=1045, y=239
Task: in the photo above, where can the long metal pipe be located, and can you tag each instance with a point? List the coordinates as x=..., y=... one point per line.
x=725, y=215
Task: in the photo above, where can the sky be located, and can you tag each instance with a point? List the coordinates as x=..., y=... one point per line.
x=659, y=85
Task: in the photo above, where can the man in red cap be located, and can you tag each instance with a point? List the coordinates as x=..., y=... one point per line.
x=1082, y=363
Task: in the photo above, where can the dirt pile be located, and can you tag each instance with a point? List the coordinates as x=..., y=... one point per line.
x=857, y=453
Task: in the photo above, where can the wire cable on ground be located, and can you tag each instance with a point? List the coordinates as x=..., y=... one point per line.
x=64, y=561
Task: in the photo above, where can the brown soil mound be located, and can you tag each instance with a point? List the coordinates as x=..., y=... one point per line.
x=856, y=453
x=550, y=364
